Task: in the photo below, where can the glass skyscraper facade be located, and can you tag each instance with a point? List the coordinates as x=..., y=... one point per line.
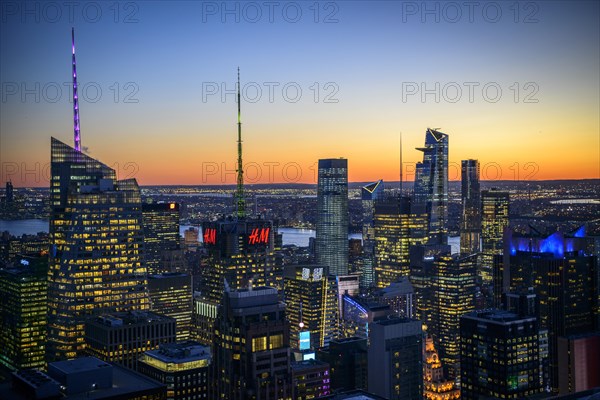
x=161, y=234
x=96, y=242
x=369, y=195
x=396, y=229
x=494, y=218
x=331, y=244
x=470, y=227
x=431, y=184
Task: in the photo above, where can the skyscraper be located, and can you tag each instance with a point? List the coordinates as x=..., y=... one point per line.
x=500, y=355
x=470, y=227
x=396, y=359
x=494, y=218
x=96, y=242
x=331, y=245
x=397, y=228
x=251, y=353
x=369, y=194
x=453, y=296
x=171, y=295
x=431, y=184
x=311, y=298
x=23, y=290
x=161, y=233
x=564, y=276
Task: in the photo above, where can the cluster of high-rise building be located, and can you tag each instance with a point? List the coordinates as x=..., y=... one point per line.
x=112, y=309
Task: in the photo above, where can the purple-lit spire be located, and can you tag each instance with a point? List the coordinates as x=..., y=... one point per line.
x=239, y=194
x=76, y=131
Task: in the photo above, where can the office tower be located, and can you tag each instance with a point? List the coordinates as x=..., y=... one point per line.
x=369, y=194
x=96, y=242
x=251, y=353
x=431, y=184
x=396, y=359
x=563, y=275
x=241, y=253
x=311, y=299
x=204, y=314
x=359, y=314
x=83, y=378
x=122, y=337
x=453, y=296
x=578, y=362
x=348, y=362
x=183, y=367
x=422, y=274
x=24, y=292
x=190, y=239
x=494, y=219
x=399, y=295
x=500, y=355
x=310, y=379
x=171, y=295
x=161, y=233
x=9, y=193
x=470, y=226
x=397, y=228
x=331, y=245
x=435, y=386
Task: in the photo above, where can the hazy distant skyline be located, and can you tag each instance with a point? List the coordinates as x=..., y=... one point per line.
x=369, y=57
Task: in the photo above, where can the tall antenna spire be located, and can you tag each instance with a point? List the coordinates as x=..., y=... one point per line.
x=401, y=175
x=239, y=194
x=76, y=131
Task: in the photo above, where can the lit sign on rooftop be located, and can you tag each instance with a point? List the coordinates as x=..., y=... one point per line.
x=259, y=236
x=210, y=236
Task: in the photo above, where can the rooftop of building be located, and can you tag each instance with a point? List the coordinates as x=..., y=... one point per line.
x=181, y=352
x=497, y=316
x=353, y=395
x=130, y=318
x=167, y=275
x=125, y=383
x=80, y=364
x=308, y=365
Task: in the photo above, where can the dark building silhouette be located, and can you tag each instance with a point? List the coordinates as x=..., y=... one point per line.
x=396, y=358
x=251, y=353
x=348, y=361
x=564, y=276
x=470, y=227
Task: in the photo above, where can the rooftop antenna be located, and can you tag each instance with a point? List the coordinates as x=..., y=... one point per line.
x=239, y=194
x=76, y=131
x=401, y=176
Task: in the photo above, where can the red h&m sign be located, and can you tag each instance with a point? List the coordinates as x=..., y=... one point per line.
x=259, y=236
x=210, y=236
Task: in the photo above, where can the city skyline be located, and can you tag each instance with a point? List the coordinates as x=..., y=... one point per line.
x=178, y=133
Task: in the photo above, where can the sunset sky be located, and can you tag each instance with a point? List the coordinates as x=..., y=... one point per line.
x=357, y=64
